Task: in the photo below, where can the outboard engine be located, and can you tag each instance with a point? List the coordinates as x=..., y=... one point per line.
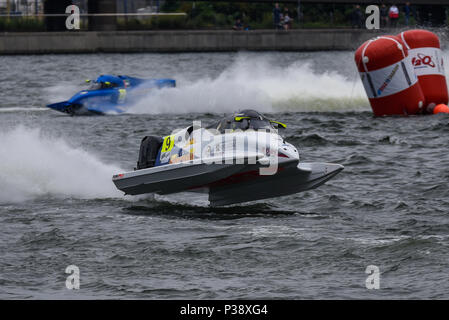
x=149, y=148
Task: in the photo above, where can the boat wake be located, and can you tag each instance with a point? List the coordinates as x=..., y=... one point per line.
x=33, y=165
x=21, y=109
x=257, y=83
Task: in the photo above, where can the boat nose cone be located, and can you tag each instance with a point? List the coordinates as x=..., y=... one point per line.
x=336, y=167
x=333, y=168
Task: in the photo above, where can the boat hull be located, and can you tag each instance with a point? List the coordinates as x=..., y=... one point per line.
x=289, y=180
x=227, y=183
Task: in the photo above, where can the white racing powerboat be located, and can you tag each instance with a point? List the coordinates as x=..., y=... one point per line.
x=240, y=158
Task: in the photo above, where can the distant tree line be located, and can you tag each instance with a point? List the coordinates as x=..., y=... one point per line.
x=204, y=14
x=223, y=15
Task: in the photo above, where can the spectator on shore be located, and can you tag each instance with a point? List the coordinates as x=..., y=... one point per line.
x=281, y=22
x=277, y=16
x=287, y=22
x=357, y=17
x=383, y=16
x=238, y=25
x=394, y=16
x=407, y=11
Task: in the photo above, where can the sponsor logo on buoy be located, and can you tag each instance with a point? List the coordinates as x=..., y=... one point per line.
x=390, y=80
x=390, y=76
x=421, y=61
x=427, y=61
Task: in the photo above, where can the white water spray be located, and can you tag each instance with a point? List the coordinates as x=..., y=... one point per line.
x=33, y=165
x=256, y=83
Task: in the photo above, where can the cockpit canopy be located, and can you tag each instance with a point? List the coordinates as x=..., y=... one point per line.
x=100, y=85
x=244, y=120
x=105, y=82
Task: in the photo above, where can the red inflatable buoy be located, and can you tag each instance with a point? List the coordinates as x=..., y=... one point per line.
x=424, y=51
x=441, y=108
x=388, y=77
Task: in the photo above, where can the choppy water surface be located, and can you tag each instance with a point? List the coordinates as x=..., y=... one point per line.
x=58, y=206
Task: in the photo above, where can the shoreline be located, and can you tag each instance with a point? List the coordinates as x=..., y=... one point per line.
x=12, y=43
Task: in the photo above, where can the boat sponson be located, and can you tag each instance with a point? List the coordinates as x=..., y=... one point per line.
x=288, y=180
x=174, y=178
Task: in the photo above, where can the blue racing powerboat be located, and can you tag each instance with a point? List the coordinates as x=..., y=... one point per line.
x=110, y=94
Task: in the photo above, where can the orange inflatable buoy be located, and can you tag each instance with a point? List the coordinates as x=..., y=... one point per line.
x=441, y=108
x=427, y=58
x=388, y=77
